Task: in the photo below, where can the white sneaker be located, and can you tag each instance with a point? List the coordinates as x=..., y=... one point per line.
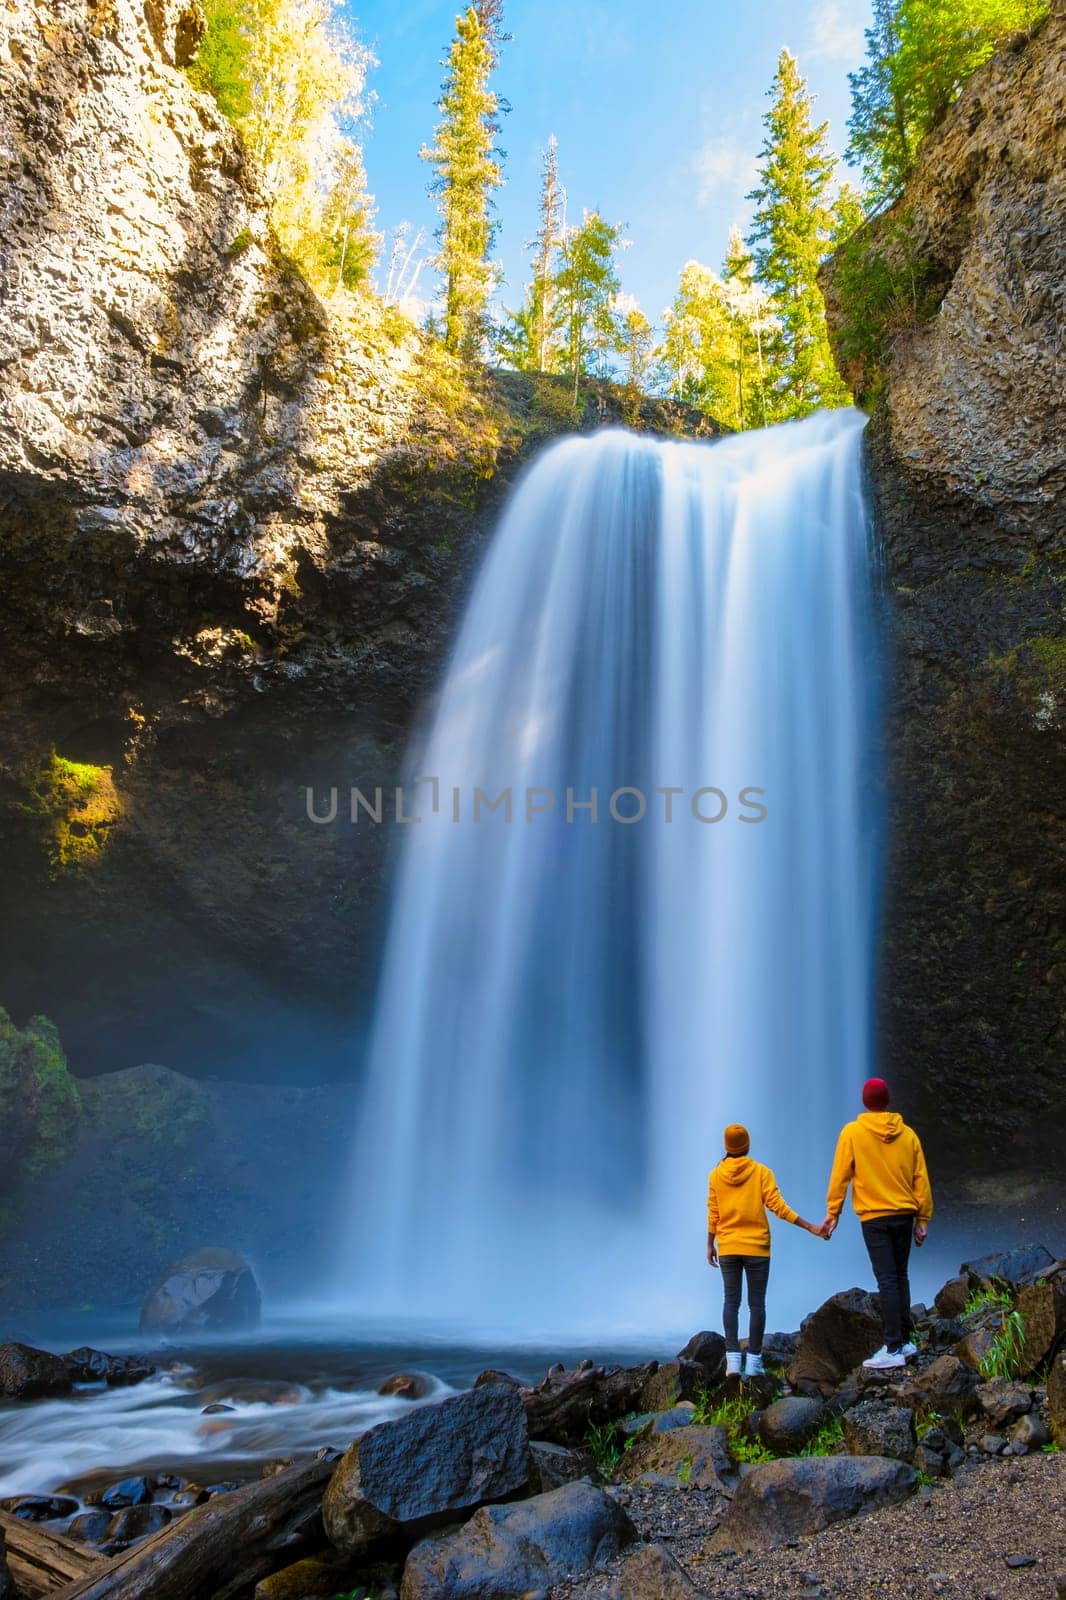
x=733, y=1358
x=884, y=1360
x=753, y=1367
x=909, y=1350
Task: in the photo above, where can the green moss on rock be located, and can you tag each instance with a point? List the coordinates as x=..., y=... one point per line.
x=39, y=1099
x=79, y=805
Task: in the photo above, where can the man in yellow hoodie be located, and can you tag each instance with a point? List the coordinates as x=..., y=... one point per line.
x=740, y=1191
x=883, y=1161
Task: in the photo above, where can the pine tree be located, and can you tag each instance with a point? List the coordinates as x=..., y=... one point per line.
x=636, y=345
x=587, y=283
x=468, y=169
x=791, y=229
x=919, y=54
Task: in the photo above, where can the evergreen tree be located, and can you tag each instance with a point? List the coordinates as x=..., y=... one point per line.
x=919, y=54
x=587, y=283
x=468, y=169
x=791, y=229
x=883, y=137
x=636, y=345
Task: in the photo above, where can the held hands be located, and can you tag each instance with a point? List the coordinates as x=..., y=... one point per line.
x=829, y=1227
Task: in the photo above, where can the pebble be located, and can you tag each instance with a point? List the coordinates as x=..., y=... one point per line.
x=1020, y=1561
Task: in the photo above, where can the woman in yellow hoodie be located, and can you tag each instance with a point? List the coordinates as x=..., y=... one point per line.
x=739, y=1193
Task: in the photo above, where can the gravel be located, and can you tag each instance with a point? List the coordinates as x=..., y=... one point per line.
x=995, y=1533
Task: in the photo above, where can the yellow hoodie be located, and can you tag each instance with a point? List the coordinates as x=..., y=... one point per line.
x=738, y=1192
x=882, y=1159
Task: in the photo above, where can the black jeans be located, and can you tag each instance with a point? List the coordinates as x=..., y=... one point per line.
x=888, y=1241
x=757, y=1271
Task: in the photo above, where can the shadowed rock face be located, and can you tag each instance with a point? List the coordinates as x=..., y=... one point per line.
x=235, y=525
x=967, y=475
x=209, y=1291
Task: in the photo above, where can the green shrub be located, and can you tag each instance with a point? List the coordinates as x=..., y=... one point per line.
x=826, y=1440
x=887, y=283
x=39, y=1099
x=1003, y=1358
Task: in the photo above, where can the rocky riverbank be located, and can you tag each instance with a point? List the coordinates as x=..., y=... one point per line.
x=663, y=1480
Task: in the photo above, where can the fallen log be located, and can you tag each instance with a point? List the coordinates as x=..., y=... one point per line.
x=39, y=1562
x=223, y=1547
x=563, y=1407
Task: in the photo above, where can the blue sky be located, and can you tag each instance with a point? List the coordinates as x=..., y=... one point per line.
x=657, y=110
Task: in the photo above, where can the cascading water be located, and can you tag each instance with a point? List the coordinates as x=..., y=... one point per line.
x=573, y=1003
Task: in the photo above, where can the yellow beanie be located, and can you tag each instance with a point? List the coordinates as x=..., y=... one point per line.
x=737, y=1140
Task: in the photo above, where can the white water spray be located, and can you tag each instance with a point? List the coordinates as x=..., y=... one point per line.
x=573, y=1005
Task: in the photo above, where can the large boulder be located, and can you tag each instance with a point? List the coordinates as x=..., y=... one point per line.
x=505, y=1551
x=1016, y=1268
x=30, y=1374
x=674, y=1381
x=649, y=1572
x=1003, y=1402
x=1042, y=1308
x=871, y=1429
x=209, y=1291
x=707, y=1350
x=787, y=1424
x=836, y=1338
x=952, y=1298
x=437, y=1461
x=784, y=1500
x=87, y=1365
x=945, y=1385
x=689, y=1457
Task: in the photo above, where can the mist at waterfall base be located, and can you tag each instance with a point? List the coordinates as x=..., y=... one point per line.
x=571, y=1008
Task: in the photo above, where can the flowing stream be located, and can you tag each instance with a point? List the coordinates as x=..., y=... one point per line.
x=575, y=1001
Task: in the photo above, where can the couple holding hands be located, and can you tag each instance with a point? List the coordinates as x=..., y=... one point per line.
x=881, y=1158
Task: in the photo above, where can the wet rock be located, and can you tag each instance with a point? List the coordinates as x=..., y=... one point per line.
x=946, y=1384
x=707, y=1350
x=492, y=1379
x=1031, y=1431
x=679, y=1416
x=1042, y=1308
x=91, y=1526
x=86, y=1365
x=434, y=1461
x=973, y=1349
x=209, y=1291
x=780, y=1349
x=951, y=1299
x=316, y=1578
x=690, y=1457
x=30, y=1374
x=837, y=1338
x=674, y=1381
x=408, y=1385
x=40, y=1507
x=1002, y=1401
x=506, y=1551
x=787, y=1424
x=215, y=1408
x=784, y=1500
x=1016, y=1268
x=552, y=1465
x=649, y=1572
x=127, y=1492
x=879, y=1430
x=133, y=1523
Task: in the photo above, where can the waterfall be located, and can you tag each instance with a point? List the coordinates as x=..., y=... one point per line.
x=573, y=1004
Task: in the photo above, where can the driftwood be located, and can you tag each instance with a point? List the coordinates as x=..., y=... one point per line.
x=40, y=1563
x=218, y=1549
x=562, y=1408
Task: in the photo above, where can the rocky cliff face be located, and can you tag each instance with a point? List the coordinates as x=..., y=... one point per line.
x=234, y=526
x=964, y=284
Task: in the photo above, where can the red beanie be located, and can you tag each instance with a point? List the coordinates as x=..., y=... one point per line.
x=875, y=1096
